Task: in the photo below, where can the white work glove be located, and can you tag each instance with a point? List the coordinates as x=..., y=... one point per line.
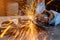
x=40, y=7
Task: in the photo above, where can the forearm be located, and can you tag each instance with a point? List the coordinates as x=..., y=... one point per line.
x=39, y=1
x=54, y=12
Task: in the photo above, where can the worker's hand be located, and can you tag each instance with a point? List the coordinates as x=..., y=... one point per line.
x=40, y=7
x=53, y=11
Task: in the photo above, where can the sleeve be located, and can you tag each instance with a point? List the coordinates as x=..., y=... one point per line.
x=56, y=19
x=52, y=21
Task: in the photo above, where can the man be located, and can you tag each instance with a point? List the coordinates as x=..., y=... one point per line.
x=41, y=8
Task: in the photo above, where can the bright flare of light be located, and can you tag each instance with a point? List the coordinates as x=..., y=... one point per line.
x=29, y=32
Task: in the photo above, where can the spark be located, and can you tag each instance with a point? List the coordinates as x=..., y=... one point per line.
x=29, y=31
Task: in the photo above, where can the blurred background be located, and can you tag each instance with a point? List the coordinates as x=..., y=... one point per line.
x=14, y=7
x=17, y=7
